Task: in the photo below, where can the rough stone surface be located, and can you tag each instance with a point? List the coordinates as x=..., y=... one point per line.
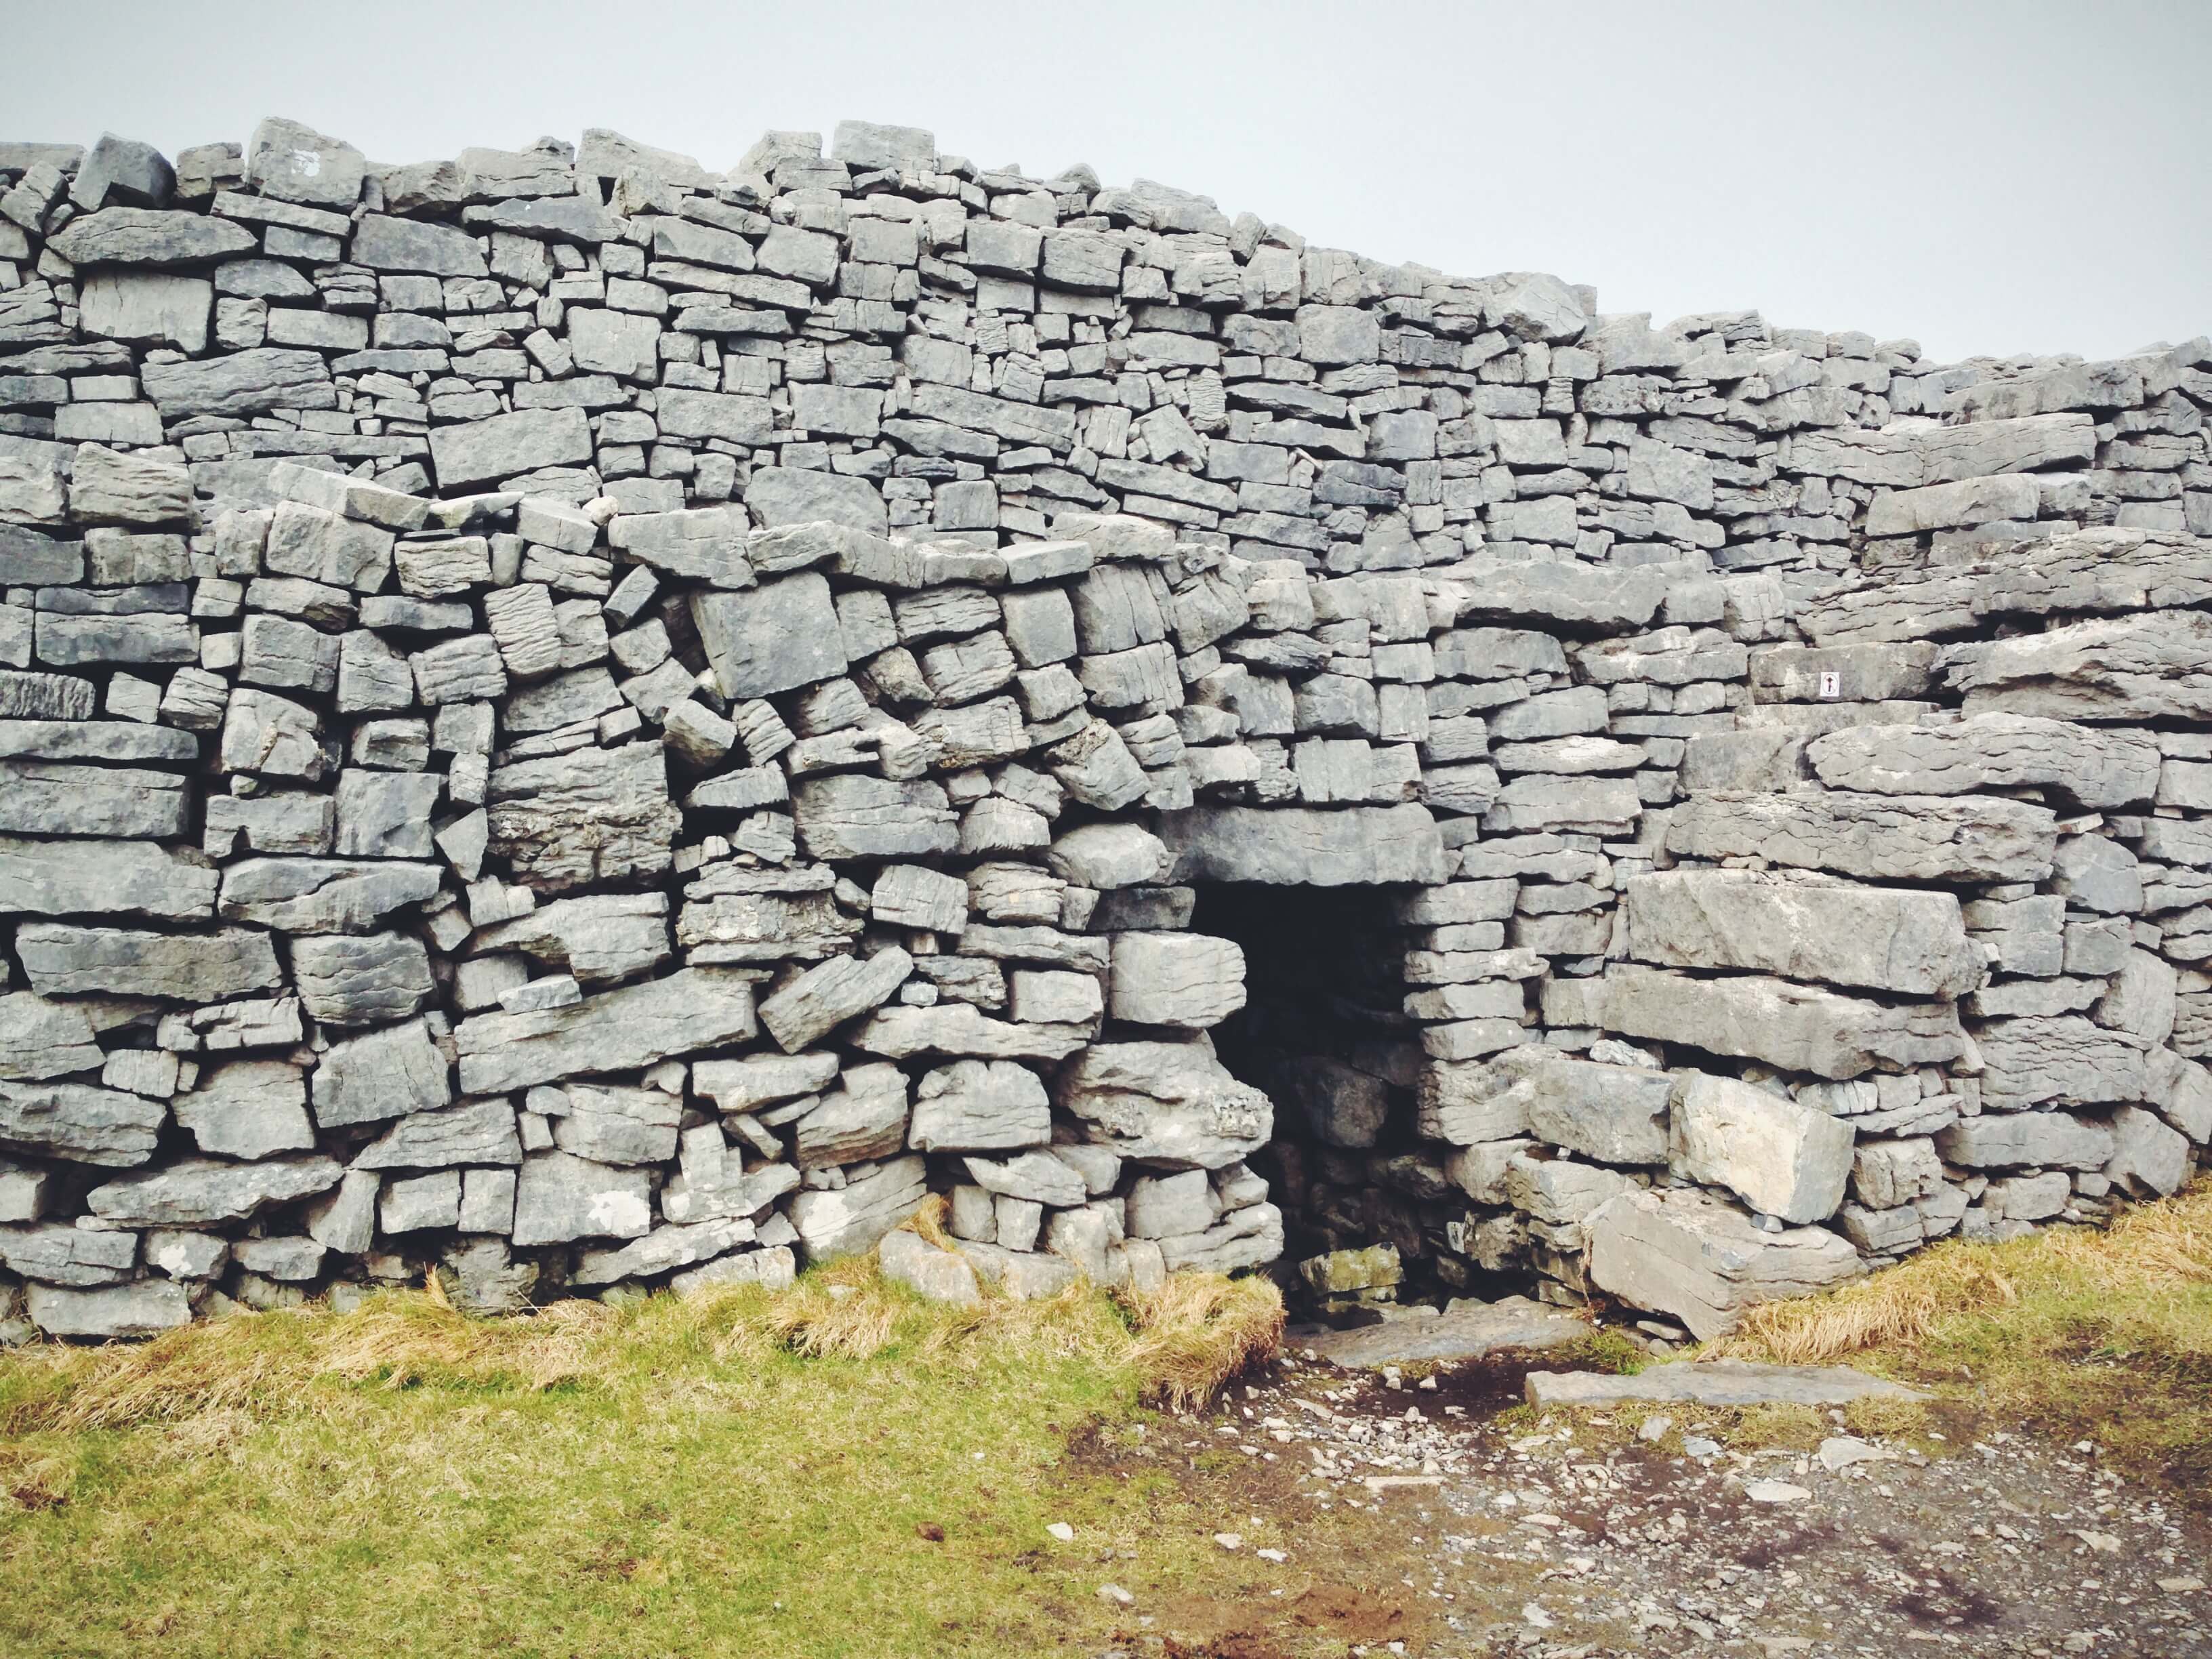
x=471, y=635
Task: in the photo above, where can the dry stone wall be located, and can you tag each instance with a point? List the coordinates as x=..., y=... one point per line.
x=570, y=719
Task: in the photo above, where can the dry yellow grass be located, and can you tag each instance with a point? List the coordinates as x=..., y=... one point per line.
x=2156, y=1251
x=1180, y=1344
x=2104, y=1334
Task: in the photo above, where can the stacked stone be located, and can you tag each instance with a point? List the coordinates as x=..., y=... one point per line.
x=572, y=720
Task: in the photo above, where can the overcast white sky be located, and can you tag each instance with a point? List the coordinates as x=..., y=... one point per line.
x=1986, y=176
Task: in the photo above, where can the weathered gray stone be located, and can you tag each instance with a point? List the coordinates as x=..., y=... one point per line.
x=149, y=236
x=776, y=637
x=852, y=816
x=249, y=1108
x=934, y=1275
x=241, y=383
x=48, y=797
x=1697, y=1258
x=2039, y=1059
x=863, y=1118
x=2001, y=1140
x=144, y=1309
x=1874, y=837
x=380, y=1074
x=487, y=451
x=854, y=1217
x=610, y=1124
x=1186, y=979
x=1721, y=1384
x=825, y=997
x=474, y=1132
x=1171, y=1104
x=2144, y=667
x=1794, y=1027
x=558, y=1198
x=1614, y=1114
x=83, y=1124
x=42, y=1039
x=593, y=815
x=962, y=1028
x=65, y=1255
x=63, y=960
x=362, y=981
x=322, y=896
x=2097, y=768
x=1802, y=927
x=203, y=1192
x=619, y=1030
x=1293, y=845
x=980, y=1106
x=2148, y=1158
x=663, y=1250
x=148, y=307
x=599, y=938
x=1782, y=1158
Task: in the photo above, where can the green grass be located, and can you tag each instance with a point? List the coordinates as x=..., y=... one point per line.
x=736, y=1474
x=2099, y=1335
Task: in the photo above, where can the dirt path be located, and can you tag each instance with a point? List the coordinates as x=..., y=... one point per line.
x=1412, y=1521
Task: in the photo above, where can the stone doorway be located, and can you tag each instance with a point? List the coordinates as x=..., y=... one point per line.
x=1325, y=1033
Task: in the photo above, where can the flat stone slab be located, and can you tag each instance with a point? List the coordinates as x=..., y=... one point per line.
x=1716, y=1383
x=1467, y=1330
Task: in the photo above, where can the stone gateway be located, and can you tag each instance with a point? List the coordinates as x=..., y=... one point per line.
x=571, y=717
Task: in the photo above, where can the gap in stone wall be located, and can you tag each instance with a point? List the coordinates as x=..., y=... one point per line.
x=1324, y=1034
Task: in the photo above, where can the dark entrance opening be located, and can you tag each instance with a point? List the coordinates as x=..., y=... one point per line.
x=1325, y=1034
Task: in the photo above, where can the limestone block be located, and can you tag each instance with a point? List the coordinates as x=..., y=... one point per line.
x=598, y=937
x=1186, y=979
x=775, y=637
x=1613, y=1113
x=1873, y=837
x=1295, y=846
x=323, y=896
x=380, y=1074
x=1802, y=927
x=1782, y=1158
x=559, y=1197
x=48, y=797
x=502, y=445
x=1794, y=1027
x=611, y=1124
x=961, y=1029
x=2150, y=1159
x=2038, y=1140
x=853, y=1219
x=43, y=1039
x=563, y=821
x=249, y=1108
x=2143, y=667
x=2063, y=1059
x=112, y=1312
x=1699, y=1260
x=863, y=1118
x=1170, y=1104
x=852, y=816
x=64, y=960
x=623, y=1029
x=107, y=1127
x=825, y=997
x=980, y=1106
x=203, y=1191
x=2097, y=768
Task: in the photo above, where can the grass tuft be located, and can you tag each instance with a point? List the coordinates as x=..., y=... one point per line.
x=1179, y=1344
x=2105, y=1335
